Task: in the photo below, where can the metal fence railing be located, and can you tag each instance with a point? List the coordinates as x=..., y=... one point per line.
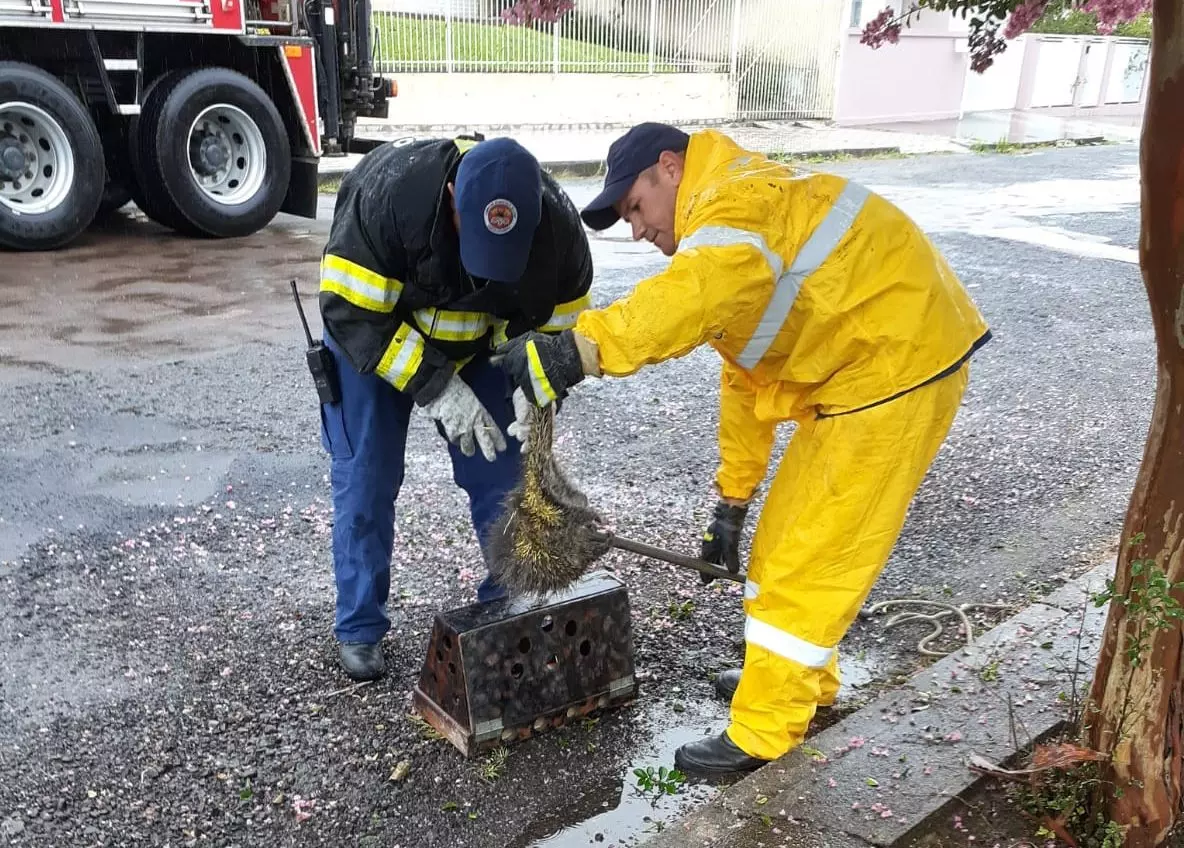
x=642, y=36
x=787, y=71
x=780, y=55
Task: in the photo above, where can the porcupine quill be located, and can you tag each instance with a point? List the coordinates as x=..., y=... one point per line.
x=541, y=544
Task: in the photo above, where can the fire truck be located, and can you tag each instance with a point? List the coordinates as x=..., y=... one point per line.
x=211, y=115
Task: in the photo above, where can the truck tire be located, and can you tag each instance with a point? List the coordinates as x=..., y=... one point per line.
x=212, y=147
x=51, y=161
x=150, y=196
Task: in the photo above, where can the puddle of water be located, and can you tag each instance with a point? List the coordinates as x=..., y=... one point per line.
x=855, y=672
x=613, y=813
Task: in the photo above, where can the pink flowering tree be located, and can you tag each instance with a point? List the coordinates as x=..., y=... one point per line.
x=1134, y=716
x=526, y=12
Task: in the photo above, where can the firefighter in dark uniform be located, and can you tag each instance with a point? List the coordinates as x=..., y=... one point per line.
x=439, y=251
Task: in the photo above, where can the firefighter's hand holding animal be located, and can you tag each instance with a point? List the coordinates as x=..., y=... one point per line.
x=543, y=366
x=466, y=422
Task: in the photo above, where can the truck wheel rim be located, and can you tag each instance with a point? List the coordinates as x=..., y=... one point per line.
x=36, y=160
x=227, y=155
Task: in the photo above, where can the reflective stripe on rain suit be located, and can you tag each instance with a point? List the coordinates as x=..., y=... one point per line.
x=831, y=308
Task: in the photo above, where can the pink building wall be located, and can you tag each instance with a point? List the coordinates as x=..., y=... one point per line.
x=921, y=78
x=926, y=76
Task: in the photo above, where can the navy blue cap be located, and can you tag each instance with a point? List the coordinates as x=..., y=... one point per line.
x=628, y=156
x=499, y=198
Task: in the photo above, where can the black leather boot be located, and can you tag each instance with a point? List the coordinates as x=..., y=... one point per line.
x=715, y=755
x=362, y=661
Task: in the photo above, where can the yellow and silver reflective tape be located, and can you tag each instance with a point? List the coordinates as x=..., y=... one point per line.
x=785, y=644
x=451, y=325
x=814, y=253
x=538, y=377
x=728, y=236
x=402, y=357
x=359, y=285
x=464, y=144
x=499, y=333
x=565, y=315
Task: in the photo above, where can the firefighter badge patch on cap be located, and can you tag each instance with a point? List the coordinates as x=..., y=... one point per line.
x=500, y=216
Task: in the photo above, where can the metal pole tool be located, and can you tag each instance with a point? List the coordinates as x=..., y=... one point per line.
x=612, y=540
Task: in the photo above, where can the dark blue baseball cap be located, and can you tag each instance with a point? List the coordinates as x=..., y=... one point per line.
x=499, y=198
x=628, y=156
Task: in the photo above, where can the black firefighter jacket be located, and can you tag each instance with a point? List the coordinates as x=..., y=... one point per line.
x=393, y=293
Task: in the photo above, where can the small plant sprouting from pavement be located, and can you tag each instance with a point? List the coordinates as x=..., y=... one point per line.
x=1061, y=801
x=425, y=729
x=664, y=781
x=493, y=766
x=990, y=671
x=681, y=612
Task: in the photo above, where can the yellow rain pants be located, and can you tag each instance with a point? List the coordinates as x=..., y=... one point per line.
x=834, y=511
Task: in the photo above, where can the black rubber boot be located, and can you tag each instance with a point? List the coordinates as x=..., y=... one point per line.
x=362, y=661
x=715, y=755
x=726, y=683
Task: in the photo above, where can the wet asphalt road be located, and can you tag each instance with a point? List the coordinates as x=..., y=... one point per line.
x=166, y=664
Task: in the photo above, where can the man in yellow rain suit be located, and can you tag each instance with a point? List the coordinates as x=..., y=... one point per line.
x=830, y=308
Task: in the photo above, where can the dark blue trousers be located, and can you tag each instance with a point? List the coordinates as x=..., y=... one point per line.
x=366, y=436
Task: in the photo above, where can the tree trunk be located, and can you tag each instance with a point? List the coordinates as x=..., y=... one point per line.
x=1136, y=711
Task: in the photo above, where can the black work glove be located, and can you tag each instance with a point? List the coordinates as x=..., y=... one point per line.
x=721, y=539
x=542, y=365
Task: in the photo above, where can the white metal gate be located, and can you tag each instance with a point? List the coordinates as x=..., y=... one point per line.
x=785, y=56
x=780, y=57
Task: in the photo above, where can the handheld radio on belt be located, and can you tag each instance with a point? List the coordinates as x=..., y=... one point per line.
x=320, y=360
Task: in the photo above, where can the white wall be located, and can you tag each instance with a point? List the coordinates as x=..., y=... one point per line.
x=1128, y=75
x=1082, y=71
x=998, y=86
x=1056, y=73
x=545, y=99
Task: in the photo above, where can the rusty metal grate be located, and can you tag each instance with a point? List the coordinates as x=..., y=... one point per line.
x=501, y=672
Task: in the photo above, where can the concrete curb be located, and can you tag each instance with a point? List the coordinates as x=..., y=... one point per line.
x=1086, y=141
x=877, y=777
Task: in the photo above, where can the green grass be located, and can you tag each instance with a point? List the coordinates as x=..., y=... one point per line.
x=409, y=44
x=1061, y=19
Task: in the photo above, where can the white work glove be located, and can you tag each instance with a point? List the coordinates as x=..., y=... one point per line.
x=466, y=422
x=520, y=429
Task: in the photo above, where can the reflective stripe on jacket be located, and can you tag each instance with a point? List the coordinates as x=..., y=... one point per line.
x=822, y=298
x=393, y=293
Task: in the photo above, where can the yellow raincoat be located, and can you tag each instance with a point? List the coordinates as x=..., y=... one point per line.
x=831, y=308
